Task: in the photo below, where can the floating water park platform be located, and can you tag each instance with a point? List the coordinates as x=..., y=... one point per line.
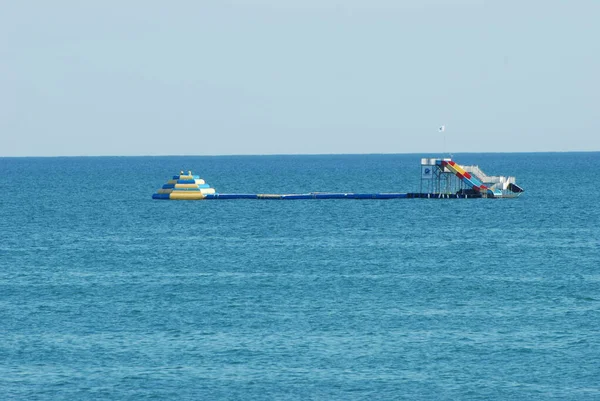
x=440, y=179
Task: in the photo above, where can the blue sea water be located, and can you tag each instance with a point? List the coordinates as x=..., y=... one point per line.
x=106, y=294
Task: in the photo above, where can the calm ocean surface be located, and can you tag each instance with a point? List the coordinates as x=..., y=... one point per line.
x=106, y=294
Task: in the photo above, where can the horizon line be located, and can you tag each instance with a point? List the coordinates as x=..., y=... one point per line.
x=297, y=154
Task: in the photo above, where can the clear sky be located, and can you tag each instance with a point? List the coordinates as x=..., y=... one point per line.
x=298, y=76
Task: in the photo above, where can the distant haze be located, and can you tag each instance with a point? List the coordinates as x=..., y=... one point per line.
x=298, y=76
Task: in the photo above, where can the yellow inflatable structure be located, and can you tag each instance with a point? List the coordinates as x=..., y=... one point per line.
x=184, y=187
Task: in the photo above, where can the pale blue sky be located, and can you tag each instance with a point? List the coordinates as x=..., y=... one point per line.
x=298, y=76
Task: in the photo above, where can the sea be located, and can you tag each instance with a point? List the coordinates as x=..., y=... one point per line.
x=106, y=294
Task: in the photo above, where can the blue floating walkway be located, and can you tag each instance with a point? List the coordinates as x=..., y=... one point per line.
x=324, y=195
